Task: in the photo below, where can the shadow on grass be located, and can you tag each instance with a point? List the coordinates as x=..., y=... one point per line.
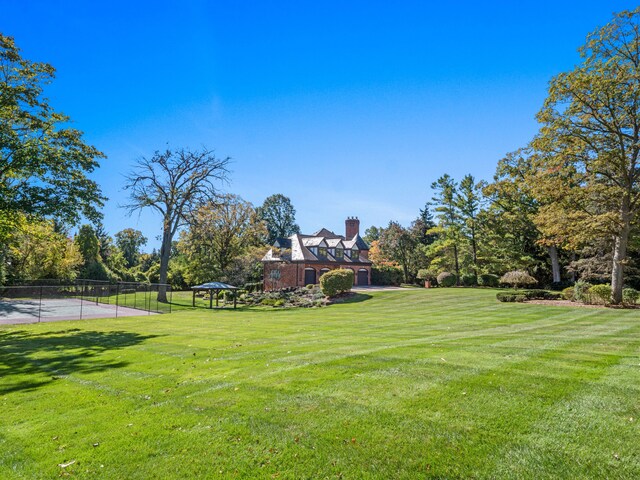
x=354, y=297
x=32, y=360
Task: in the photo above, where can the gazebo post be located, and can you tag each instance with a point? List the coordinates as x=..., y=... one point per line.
x=235, y=298
x=194, y=298
x=210, y=298
x=217, y=296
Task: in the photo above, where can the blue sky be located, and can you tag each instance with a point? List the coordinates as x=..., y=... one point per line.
x=348, y=108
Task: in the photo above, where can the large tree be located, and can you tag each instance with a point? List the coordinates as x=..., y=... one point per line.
x=280, y=217
x=129, y=241
x=590, y=141
x=219, y=233
x=174, y=183
x=444, y=198
x=469, y=203
x=44, y=162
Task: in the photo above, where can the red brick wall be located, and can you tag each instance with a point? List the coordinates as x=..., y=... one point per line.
x=292, y=275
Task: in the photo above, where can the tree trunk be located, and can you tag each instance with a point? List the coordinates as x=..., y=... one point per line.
x=474, y=251
x=555, y=264
x=165, y=254
x=620, y=254
x=455, y=257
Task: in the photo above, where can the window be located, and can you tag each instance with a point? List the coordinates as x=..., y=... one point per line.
x=323, y=251
x=314, y=250
x=332, y=252
x=355, y=254
x=339, y=253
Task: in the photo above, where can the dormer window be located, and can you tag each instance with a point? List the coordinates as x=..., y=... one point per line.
x=339, y=253
x=332, y=252
x=314, y=250
x=355, y=254
x=323, y=251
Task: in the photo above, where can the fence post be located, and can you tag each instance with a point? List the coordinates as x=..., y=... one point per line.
x=81, y=297
x=170, y=298
x=117, y=297
x=40, y=307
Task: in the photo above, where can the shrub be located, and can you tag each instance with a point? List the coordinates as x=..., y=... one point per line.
x=581, y=291
x=488, y=280
x=517, y=279
x=534, y=294
x=424, y=274
x=310, y=286
x=630, y=296
x=510, y=297
x=383, y=275
x=446, y=279
x=600, y=294
x=569, y=293
x=278, y=303
x=469, y=280
x=562, y=285
x=336, y=281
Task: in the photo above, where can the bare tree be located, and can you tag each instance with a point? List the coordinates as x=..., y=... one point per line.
x=173, y=183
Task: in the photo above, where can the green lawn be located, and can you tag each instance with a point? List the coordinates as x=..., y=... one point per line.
x=405, y=384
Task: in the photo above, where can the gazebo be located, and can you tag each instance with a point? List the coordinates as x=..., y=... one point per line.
x=213, y=287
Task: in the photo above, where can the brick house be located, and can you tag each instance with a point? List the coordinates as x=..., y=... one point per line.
x=301, y=259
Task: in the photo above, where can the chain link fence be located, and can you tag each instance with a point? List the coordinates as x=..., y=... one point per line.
x=54, y=300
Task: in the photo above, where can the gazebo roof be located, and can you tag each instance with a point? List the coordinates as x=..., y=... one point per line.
x=214, y=286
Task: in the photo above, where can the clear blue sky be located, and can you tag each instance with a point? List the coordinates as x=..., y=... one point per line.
x=348, y=108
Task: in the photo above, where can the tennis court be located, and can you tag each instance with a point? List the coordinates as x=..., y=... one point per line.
x=14, y=311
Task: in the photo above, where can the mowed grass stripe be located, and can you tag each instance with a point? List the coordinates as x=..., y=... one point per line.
x=408, y=384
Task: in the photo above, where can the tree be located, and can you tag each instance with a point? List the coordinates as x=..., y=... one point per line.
x=397, y=244
x=590, y=141
x=372, y=234
x=37, y=251
x=469, y=201
x=174, y=183
x=512, y=239
x=43, y=162
x=445, y=193
x=218, y=234
x=89, y=246
x=279, y=216
x=129, y=241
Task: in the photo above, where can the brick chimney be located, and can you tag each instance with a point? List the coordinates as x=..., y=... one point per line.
x=352, y=227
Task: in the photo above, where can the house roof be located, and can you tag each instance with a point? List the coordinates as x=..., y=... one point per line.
x=314, y=242
x=214, y=286
x=297, y=248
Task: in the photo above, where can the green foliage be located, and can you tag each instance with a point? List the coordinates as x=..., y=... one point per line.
x=34, y=250
x=221, y=242
x=581, y=291
x=386, y=275
x=517, y=279
x=336, y=281
x=569, y=293
x=469, y=280
x=425, y=274
x=130, y=241
x=588, y=161
x=600, y=294
x=488, y=280
x=510, y=297
x=630, y=296
x=446, y=279
x=279, y=216
x=43, y=161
